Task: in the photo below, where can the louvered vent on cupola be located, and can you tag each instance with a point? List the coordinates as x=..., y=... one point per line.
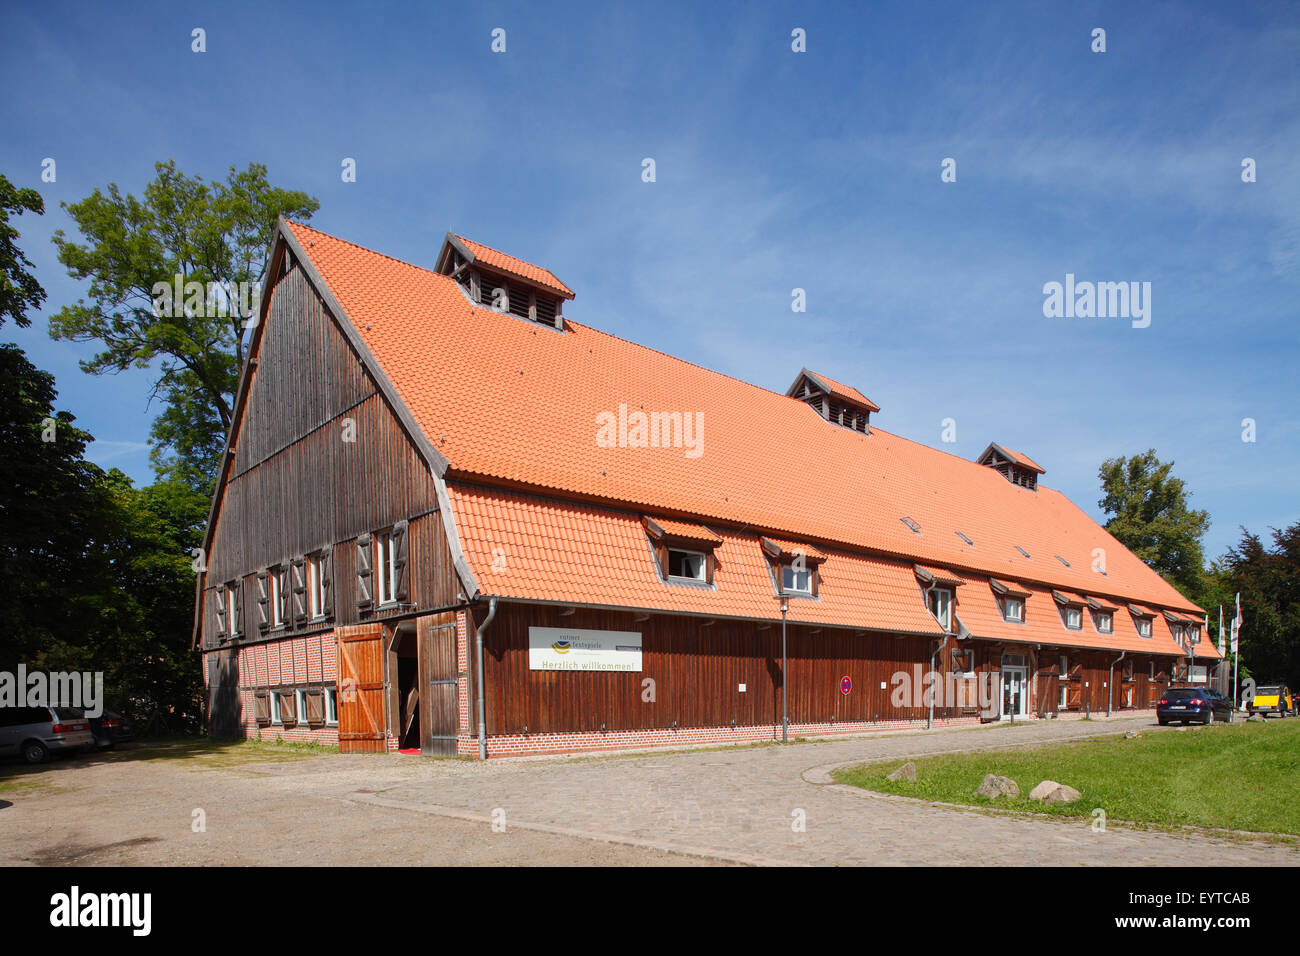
x=840, y=404
x=1014, y=467
x=504, y=283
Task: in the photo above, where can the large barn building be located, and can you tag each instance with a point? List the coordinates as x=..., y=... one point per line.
x=452, y=520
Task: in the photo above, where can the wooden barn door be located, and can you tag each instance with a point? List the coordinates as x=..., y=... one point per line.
x=224, y=716
x=361, y=689
x=439, y=690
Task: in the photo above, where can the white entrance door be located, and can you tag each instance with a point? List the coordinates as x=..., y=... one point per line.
x=1014, y=692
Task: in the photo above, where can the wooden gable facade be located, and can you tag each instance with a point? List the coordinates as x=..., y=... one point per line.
x=321, y=465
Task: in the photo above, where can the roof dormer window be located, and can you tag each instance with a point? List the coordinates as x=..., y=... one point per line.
x=504, y=283
x=1018, y=469
x=796, y=568
x=683, y=552
x=1071, y=607
x=1103, y=616
x=842, y=405
x=1011, y=601
x=1141, y=620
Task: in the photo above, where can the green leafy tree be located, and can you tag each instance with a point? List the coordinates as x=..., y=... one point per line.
x=144, y=615
x=1150, y=516
x=188, y=230
x=97, y=574
x=50, y=506
x=1268, y=579
x=19, y=290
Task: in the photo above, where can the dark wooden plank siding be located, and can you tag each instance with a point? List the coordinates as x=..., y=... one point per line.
x=298, y=484
x=697, y=670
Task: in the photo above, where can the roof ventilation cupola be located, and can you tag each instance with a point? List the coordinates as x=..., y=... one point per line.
x=841, y=404
x=1015, y=468
x=502, y=282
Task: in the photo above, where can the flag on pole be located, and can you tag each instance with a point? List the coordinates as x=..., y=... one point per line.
x=1223, y=645
x=1236, y=623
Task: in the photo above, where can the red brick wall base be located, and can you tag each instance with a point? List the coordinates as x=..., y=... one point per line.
x=587, y=742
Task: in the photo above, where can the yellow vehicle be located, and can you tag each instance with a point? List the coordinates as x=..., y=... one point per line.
x=1272, y=699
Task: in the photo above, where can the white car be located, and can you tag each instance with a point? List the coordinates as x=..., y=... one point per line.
x=37, y=732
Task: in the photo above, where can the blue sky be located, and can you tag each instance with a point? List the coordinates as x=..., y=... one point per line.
x=774, y=170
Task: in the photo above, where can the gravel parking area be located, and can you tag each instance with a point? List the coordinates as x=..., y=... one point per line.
x=749, y=805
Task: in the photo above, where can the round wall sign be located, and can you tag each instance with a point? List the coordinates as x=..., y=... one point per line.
x=846, y=684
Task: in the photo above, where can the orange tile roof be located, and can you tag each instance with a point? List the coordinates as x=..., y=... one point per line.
x=977, y=607
x=531, y=548
x=495, y=259
x=507, y=401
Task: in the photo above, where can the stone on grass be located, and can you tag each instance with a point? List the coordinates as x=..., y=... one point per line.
x=906, y=772
x=1063, y=794
x=1049, y=791
x=995, y=786
x=1041, y=791
x=1130, y=734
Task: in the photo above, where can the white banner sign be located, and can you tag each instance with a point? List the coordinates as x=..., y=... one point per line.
x=572, y=649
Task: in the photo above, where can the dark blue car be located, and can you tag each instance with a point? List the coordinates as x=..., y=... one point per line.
x=1188, y=704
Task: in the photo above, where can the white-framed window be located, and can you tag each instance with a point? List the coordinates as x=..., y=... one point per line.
x=300, y=704
x=385, y=568
x=796, y=580
x=1152, y=674
x=232, y=610
x=940, y=602
x=275, y=707
x=1177, y=631
x=1073, y=618
x=277, y=597
x=687, y=565
x=315, y=587
x=1194, y=633
x=1105, y=622
x=1013, y=609
x=1144, y=626
x=331, y=707
x=1063, y=697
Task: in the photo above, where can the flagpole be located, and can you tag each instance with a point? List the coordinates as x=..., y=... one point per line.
x=1236, y=624
x=1236, y=691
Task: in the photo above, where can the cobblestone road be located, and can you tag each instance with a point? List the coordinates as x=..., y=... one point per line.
x=716, y=806
x=739, y=804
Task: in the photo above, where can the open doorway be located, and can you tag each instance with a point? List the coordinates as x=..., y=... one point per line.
x=406, y=652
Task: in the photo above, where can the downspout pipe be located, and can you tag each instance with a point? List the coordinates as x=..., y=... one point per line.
x=478, y=669
x=938, y=648
x=1110, y=684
